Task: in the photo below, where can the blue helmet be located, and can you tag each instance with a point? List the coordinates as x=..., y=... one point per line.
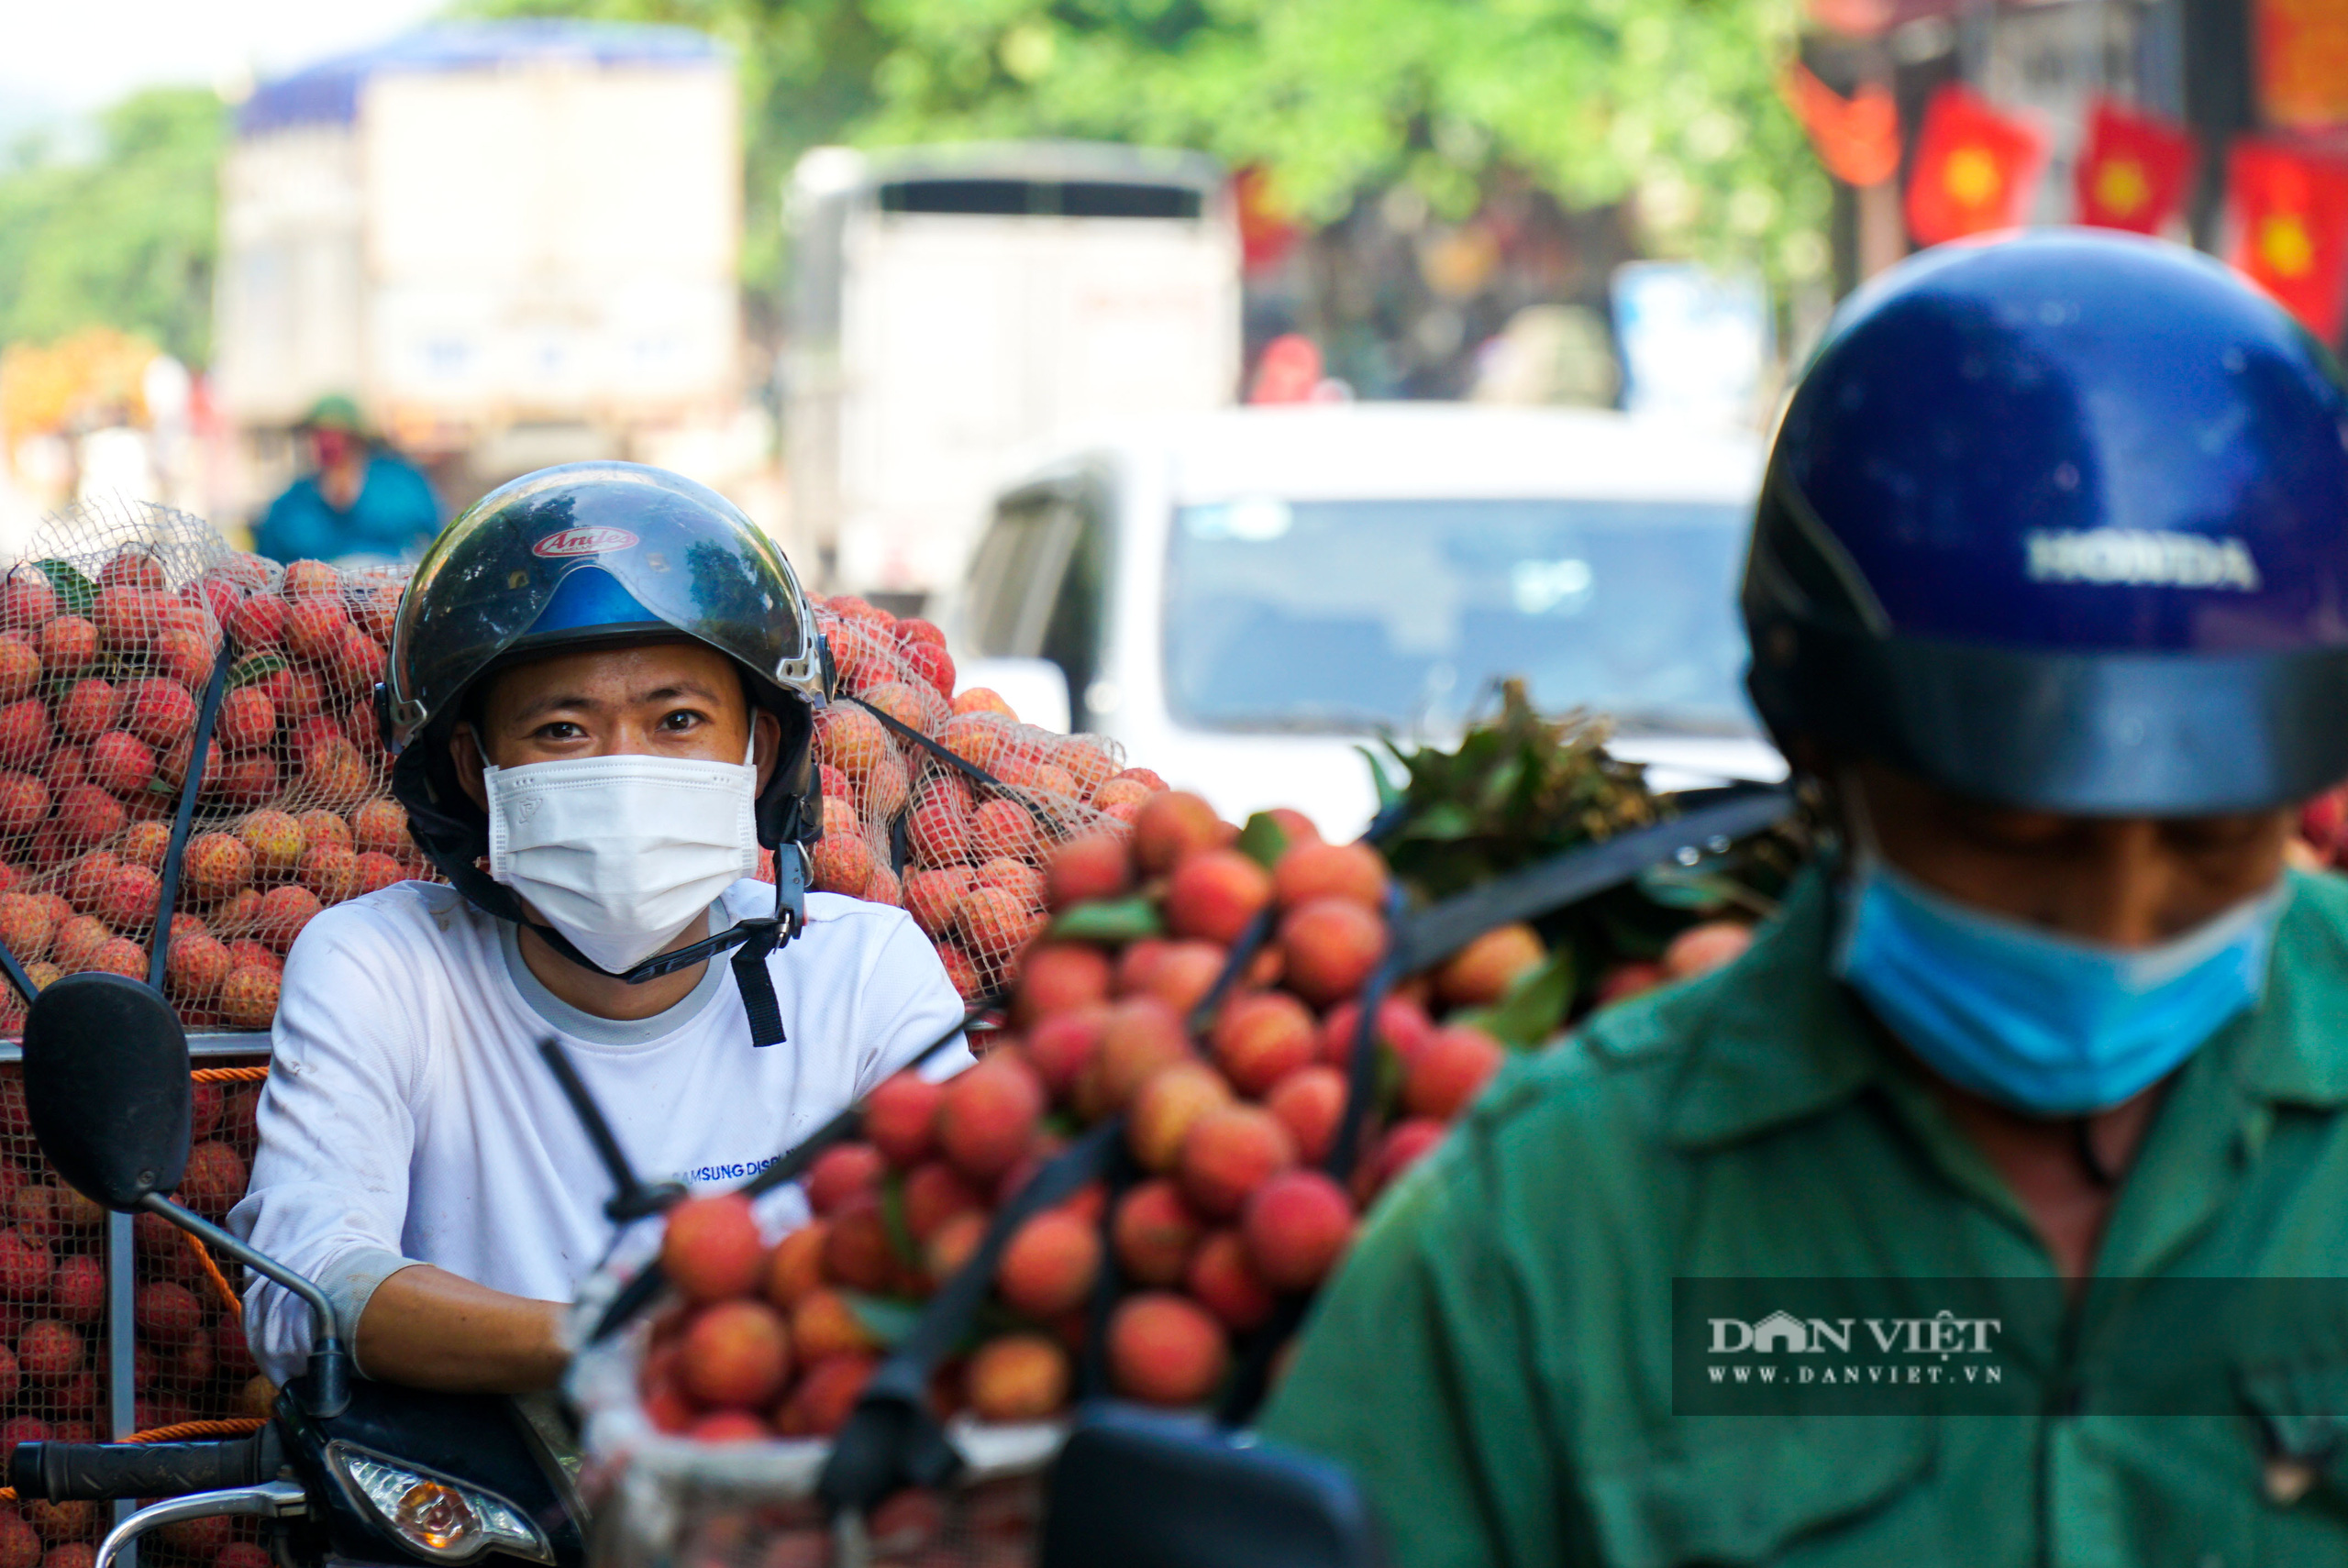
x=2062, y=522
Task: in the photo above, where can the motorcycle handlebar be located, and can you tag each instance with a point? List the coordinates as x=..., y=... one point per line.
x=67, y=1472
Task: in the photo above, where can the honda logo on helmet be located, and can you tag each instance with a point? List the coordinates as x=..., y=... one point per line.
x=584, y=542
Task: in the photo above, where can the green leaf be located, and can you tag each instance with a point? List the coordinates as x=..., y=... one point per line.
x=1535, y=1006
x=1263, y=840
x=893, y=1220
x=1388, y=790
x=1108, y=920
x=257, y=667
x=1443, y=820
x=1686, y=887
x=884, y=1317
x=78, y=592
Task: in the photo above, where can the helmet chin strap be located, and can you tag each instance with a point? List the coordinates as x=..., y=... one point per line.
x=753, y=940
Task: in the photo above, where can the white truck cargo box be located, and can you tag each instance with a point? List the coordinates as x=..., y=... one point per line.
x=484, y=225
x=955, y=306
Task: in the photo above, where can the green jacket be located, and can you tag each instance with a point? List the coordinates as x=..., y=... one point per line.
x=1495, y=1362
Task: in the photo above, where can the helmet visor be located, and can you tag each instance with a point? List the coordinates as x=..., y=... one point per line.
x=2089, y=735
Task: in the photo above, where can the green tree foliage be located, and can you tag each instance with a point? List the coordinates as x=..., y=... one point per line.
x=1673, y=102
x=1670, y=102
x=125, y=239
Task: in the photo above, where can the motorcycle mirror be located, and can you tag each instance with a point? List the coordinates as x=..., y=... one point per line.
x=108, y=1089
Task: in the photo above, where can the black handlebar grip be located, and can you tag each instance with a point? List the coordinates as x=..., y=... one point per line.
x=67, y=1472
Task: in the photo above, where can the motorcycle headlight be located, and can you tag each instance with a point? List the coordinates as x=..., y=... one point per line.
x=437, y=1516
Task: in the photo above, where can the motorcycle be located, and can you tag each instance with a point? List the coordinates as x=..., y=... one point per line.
x=345, y=1469
x=349, y=1471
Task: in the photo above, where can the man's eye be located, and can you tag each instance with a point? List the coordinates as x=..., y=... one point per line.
x=682, y=719
x=560, y=730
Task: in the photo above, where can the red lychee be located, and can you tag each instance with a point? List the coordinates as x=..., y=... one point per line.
x=1311, y=870
x=247, y=719
x=329, y=871
x=901, y=1117
x=1310, y=1102
x=128, y=898
x=1331, y=944
x=736, y=1354
x=1221, y=1279
x=710, y=1249
x=1049, y=1266
x=1058, y=978
x=284, y=911
x=1444, y=1075
x=1154, y=1232
x=68, y=646
x=248, y=995
x=87, y=814
x=988, y=1117
x=840, y=1173
x=1215, y=893
x=1164, y=1349
x=23, y=803
x=1229, y=1153
x=1172, y=826
x=217, y=865
x=1261, y=1038
x=1296, y=1226
x=259, y=622
x=1096, y=866
x=120, y=763
x=159, y=711
x=19, y=668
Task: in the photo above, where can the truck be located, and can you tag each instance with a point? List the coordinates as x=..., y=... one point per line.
x=953, y=307
x=514, y=243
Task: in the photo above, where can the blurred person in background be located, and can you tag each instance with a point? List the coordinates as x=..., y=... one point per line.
x=361, y=505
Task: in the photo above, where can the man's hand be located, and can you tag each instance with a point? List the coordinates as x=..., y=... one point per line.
x=426, y=1328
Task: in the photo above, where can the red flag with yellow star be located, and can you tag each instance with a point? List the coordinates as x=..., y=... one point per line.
x=2134, y=170
x=2290, y=215
x=1976, y=170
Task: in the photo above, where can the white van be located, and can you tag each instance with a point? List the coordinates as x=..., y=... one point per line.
x=1246, y=599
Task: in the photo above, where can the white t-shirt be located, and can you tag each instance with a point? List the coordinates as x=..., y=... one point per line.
x=410, y=1119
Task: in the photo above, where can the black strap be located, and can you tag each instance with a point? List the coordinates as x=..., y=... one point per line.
x=892, y=1441
x=158, y=959
x=956, y=761
x=17, y=978
x=758, y=939
x=645, y=1288
x=1250, y=942
x=756, y=982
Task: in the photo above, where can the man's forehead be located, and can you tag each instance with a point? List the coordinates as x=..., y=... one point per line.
x=618, y=672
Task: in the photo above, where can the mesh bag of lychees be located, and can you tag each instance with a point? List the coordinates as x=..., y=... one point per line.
x=676, y=1486
x=948, y=806
x=1154, y=1135
x=114, y=627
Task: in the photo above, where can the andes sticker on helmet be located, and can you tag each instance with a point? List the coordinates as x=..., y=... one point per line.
x=592, y=541
x=2140, y=558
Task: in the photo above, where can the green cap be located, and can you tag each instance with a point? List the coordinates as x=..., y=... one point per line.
x=333, y=411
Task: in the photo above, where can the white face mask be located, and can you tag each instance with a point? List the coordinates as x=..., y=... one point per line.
x=621, y=854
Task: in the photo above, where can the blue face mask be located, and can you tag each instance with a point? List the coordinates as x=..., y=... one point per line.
x=2040, y=1023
